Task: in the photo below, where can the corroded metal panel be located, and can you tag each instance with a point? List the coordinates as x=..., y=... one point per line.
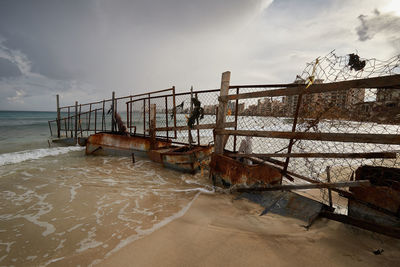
x=185, y=159
x=104, y=143
x=384, y=193
x=232, y=172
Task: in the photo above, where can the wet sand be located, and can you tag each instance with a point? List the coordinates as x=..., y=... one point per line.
x=220, y=231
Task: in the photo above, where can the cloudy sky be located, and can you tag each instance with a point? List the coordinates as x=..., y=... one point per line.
x=84, y=49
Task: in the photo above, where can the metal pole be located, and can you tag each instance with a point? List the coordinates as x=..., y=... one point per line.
x=236, y=117
x=58, y=116
x=112, y=112
x=166, y=115
x=76, y=122
x=328, y=177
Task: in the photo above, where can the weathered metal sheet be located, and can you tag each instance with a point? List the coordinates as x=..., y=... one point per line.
x=384, y=192
x=287, y=204
x=114, y=144
x=183, y=159
x=228, y=171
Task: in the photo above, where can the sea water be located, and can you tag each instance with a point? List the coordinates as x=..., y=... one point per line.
x=61, y=207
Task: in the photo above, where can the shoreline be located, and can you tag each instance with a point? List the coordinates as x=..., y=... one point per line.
x=217, y=230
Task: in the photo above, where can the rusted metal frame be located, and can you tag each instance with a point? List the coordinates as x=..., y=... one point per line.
x=127, y=116
x=144, y=117
x=174, y=110
x=393, y=139
x=198, y=130
x=328, y=178
x=90, y=113
x=113, y=112
x=377, y=82
x=190, y=138
x=236, y=118
x=195, y=127
x=69, y=123
x=72, y=116
x=378, y=228
x=145, y=94
x=130, y=117
x=76, y=121
x=103, y=118
x=279, y=164
x=65, y=127
x=95, y=121
x=152, y=119
x=149, y=110
x=306, y=186
x=367, y=155
x=166, y=116
x=51, y=132
x=80, y=122
x=58, y=116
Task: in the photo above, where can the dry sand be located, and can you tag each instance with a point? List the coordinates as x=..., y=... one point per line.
x=220, y=231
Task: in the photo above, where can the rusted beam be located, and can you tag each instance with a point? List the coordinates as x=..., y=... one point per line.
x=384, y=81
x=58, y=116
x=381, y=229
x=200, y=127
x=334, y=137
x=370, y=155
x=307, y=186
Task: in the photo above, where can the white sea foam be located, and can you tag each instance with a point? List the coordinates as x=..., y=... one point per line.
x=20, y=156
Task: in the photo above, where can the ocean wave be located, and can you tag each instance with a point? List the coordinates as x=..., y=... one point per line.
x=20, y=156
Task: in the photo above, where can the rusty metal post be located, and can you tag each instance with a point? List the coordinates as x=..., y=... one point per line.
x=190, y=138
x=90, y=113
x=144, y=117
x=113, y=112
x=152, y=120
x=236, y=117
x=127, y=116
x=69, y=122
x=133, y=158
x=95, y=121
x=198, y=130
x=103, y=116
x=131, y=116
x=219, y=139
x=328, y=177
x=149, y=111
x=166, y=115
x=174, y=109
x=76, y=122
x=58, y=116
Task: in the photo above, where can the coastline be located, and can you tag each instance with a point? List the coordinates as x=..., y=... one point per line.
x=220, y=230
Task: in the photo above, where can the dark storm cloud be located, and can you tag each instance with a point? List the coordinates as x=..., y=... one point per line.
x=8, y=69
x=379, y=23
x=62, y=38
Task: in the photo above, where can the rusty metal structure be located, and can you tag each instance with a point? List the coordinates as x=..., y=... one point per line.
x=319, y=130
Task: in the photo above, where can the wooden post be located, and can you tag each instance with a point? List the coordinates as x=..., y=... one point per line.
x=219, y=139
x=152, y=120
x=328, y=177
x=76, y=122
x=112, y=112
x=58, y=116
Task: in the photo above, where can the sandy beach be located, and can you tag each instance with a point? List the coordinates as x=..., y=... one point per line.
x=220, y=231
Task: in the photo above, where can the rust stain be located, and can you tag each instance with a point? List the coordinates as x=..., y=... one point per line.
x=384, y=191
x=124, y=142
x=235, y=172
